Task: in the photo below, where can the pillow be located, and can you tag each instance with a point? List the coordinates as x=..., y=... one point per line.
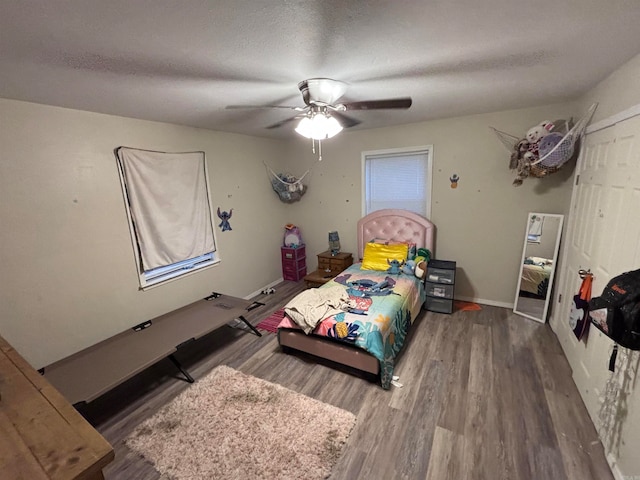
x=541, y=260
x=376, y=255
x=412, y=248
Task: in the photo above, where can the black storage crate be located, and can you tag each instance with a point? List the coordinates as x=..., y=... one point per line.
x=440, y=285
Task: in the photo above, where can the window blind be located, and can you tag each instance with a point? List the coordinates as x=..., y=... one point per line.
x=396, y=181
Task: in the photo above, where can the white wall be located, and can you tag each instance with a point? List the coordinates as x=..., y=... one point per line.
x=547, y=246
x=480, y=224
x=617, y=93
x=68, y=273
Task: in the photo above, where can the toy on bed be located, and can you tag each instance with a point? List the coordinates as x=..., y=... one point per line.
x=395, y=266
x=409, y=267
x=421, y=269
x=417, y=267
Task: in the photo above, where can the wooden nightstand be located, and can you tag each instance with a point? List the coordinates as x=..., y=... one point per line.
x=328, y=267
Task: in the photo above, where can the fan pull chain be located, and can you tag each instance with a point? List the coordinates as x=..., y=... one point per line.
x=313, y=148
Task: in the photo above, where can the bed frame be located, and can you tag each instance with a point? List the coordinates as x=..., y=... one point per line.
x=389, y=224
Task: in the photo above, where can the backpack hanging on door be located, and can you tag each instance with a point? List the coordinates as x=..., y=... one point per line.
x=616, y=312
x=579, y=315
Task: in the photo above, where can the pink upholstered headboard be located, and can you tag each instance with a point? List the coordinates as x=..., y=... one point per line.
x=398, y=225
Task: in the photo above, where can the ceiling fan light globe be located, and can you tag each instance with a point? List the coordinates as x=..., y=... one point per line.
x=304, y=128
x=318, y=127
x=332, y=127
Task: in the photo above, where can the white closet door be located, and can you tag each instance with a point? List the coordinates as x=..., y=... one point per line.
x=603, y=236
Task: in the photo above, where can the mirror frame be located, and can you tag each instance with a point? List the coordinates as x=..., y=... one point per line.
x=556, y=249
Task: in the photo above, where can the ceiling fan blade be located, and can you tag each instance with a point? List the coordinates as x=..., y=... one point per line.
x=344, y=120
x=402, y=102
x=239, y=107
x=283, y=122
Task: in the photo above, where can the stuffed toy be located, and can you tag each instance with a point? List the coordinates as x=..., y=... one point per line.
x=421, y=269
x=523, y=171
x=425, y=253
x=394, y=266
x=519, y=149
x=409, y=267
x=534, y=135
x=550, y=157
x=292, y=236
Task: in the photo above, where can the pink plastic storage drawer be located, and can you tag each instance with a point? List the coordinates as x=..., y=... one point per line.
x=293, y=274
x=292, y=253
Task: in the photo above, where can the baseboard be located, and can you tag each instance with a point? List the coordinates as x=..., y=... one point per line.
x=613, y=465
x=258, y=292
x=486, y=302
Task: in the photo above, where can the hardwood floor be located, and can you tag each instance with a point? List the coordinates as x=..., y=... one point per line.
x=487, y=395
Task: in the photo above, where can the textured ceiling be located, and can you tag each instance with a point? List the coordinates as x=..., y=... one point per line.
x=184, y=61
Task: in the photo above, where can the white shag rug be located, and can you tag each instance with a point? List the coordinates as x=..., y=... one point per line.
x=230, y=425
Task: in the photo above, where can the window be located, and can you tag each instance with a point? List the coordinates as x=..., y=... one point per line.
x=399, y=178
x=169, y=211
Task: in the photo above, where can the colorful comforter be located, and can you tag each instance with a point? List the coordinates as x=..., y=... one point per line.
x=381, y=309
x=535, y=278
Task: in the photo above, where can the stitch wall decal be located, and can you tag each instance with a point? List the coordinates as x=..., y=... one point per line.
x=225, y=216
x=454, y=180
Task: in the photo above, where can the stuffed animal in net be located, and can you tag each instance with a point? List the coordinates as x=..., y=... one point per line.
x=520, y=161
x=289, y=188
x=555, y=149
x=526, y=166
x=519, y=149
x=523, y=171
x=534, y=135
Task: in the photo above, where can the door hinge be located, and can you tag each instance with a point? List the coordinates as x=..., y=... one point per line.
x=560, y=298
x=577, y=179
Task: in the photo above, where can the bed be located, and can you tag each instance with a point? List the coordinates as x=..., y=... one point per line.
x=535, y=276
x=372, y=332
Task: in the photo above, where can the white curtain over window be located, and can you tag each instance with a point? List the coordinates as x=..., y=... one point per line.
x=169, y=205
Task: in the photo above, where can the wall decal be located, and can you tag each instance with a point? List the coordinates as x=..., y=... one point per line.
x=454, y=180
x=225, y=216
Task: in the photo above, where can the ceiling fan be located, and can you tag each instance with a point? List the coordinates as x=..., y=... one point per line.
x=322, y=117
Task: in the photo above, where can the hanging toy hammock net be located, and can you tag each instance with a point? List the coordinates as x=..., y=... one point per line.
x=546, y=147
x=289, y=188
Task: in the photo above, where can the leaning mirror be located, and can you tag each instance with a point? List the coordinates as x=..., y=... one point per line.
x=538, y=265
